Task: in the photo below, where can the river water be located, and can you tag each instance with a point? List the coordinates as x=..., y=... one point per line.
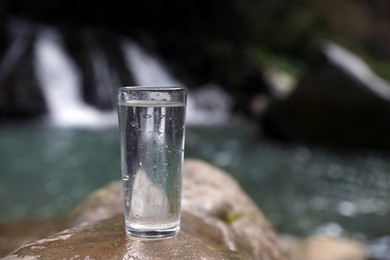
x=46, y=171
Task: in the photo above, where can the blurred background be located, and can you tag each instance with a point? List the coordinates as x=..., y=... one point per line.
x=290, y=97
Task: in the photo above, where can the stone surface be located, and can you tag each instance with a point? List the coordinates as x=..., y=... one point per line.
x=328, y=248
x=20, y=232
x=340, y=103
x=218, y=222
x=106, y=240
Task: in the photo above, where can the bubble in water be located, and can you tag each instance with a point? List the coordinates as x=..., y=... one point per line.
x=147, y=116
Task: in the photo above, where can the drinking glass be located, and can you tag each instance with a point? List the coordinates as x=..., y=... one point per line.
x=152, y=130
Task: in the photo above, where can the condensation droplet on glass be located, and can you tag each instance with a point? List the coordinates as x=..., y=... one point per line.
x=147, y=116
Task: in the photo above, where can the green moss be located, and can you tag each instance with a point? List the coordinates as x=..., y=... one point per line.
x=292, y=66
x=382, y=69
x=231, y=218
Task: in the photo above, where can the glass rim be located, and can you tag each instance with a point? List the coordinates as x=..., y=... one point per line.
x=152, y=88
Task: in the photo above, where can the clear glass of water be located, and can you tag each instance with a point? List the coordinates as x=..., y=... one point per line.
x=152, y=130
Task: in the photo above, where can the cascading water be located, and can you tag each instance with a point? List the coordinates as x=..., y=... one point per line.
x=207, y=105
x=146, y=69
x=61, y=84
x=60, y=81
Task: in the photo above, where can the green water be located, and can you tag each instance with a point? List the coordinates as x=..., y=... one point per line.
x=45, y=172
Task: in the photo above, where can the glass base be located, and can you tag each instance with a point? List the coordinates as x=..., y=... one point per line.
x=153, y=234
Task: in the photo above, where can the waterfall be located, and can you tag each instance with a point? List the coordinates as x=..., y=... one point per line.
x=61, y=83
x=209, y=105
x=147, y=70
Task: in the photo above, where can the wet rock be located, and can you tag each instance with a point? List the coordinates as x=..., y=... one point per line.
x=106, y=240
x=21, y=232
x=219, y=221
x=340, y=103
x=328, y=248
x=101, y=204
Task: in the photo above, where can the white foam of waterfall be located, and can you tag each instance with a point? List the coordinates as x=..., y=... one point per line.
x=61, y=83
x=208, y=105
x=353, y=65
x=147, y=70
